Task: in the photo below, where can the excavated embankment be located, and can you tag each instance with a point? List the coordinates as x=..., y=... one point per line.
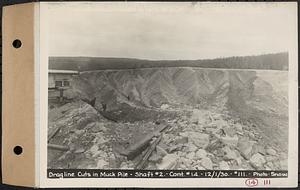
x=219, y=119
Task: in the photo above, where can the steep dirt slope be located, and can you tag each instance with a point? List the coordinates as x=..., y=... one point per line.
x=259, y=96
x=190, y=86
x=153, y=87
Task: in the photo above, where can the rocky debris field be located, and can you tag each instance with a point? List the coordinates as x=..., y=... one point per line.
x=197, y=139
x=209, y=140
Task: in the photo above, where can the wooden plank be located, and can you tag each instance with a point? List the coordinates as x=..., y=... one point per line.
x=53, y=133
x=145, y=157
x=58, y=147
x=135, y=149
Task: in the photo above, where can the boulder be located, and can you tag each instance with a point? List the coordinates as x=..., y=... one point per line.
x=256, y=148
x=201, y=153
x=257, y=161
x=75, y=115
x=198, y=116
x=124, y=165
x=229, y=131
x=175, y=147
x=245, y=147
x=79, y=132
x=184, y=134
x=168, y=162
x=230, y=141
x=191, y=147
x=283, y=156
x=94, y=149
x=277, y=165
x=283, y=164
x=199, y=139
x=238, y=127
x=99, y=139
x=190, y=155
x=198, y=167
x=182, y=167
x=185, y=161
x=181, y=140
x=155, y=157
x=164, y=106
x=113, y=162
x=79, y=150
x=207, y=163
x=239, y=161
x=102, y=164
x=221, y=124
x=100, y=153
x=214, y=145
x=229, y=154
x=210, y=130
x=269, y=166
x=271, y=151
x=224, y=165
x=161, y=151
x=195, y=115
x=251, y=135
x=98, y=127
x=270, y=158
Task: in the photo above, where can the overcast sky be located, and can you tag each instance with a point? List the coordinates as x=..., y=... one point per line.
x=170, y=31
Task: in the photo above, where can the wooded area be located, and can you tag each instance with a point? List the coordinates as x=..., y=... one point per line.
x=278, y=61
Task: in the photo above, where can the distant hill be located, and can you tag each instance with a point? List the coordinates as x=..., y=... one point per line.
x=278, y=61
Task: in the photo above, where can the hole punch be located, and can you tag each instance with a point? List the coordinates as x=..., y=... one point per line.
x=18, y=150
x=17, y=43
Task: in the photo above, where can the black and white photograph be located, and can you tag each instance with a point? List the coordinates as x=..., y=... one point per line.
x=185, y=87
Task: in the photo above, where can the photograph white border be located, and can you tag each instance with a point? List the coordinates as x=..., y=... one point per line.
x=291, y=181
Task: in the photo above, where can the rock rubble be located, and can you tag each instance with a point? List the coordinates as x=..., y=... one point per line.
x=197, y=139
